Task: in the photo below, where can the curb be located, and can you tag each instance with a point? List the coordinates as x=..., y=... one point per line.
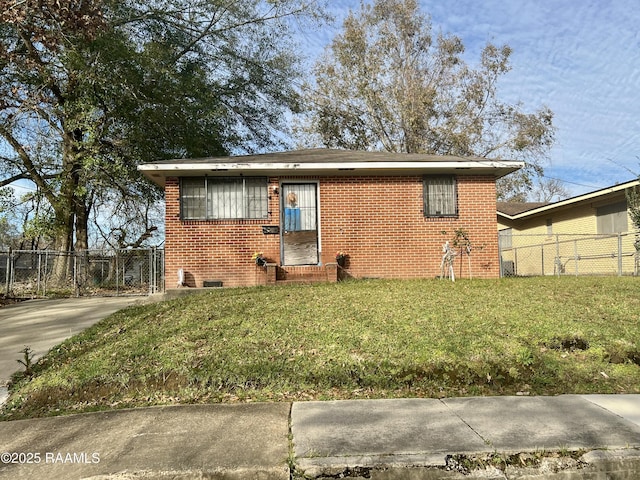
x=620, y=464
x=276, y=473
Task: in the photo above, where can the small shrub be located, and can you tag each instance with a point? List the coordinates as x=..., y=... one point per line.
x=27, y=360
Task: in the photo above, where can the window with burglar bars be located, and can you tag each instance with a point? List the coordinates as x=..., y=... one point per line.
x=440, y=196
x=203, y=198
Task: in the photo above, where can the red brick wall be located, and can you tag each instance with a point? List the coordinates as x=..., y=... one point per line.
x=378, y=221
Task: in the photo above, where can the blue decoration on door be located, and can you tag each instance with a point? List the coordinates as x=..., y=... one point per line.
x=292, y=220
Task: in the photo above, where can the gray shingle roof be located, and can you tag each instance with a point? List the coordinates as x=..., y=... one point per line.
x=321, y=161
x=515, y=208
x=324, y=155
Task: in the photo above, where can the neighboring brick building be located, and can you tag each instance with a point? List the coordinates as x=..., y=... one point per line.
x=390, y=213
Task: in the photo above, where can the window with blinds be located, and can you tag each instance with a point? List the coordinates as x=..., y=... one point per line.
x=223, y=198
x=612, y=218
x=440, y=196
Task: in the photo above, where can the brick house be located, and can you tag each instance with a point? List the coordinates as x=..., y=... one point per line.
x=390, y=213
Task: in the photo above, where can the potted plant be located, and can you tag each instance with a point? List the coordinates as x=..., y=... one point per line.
x=259, y=258
x=341, y=258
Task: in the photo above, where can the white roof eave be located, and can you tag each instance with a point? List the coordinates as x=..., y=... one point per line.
x=158, y=172
x=239, y=166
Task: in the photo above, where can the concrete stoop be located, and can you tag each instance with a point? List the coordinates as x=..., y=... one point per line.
x=621, y=464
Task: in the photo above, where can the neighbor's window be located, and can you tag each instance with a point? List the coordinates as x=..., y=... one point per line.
x=221, y=198
x=505, y=238
x=440, y=196
x=612, y=218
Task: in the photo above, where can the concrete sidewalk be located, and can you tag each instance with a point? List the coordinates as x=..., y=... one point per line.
x=378, y=439
x=397, y=435
x=224, y=441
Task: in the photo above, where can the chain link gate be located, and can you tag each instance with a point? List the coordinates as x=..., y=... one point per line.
x=32, y=273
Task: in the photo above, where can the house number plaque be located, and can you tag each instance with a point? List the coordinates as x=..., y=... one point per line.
x=271, y=229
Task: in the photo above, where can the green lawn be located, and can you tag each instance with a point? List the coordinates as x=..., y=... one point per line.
x=354, y=339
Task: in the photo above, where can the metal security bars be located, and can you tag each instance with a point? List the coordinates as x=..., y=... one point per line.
x=223, y=198
x=440, y=196
x=29, y=273
x=567, y=254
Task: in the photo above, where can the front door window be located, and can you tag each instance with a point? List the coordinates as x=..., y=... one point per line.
x=299, y=224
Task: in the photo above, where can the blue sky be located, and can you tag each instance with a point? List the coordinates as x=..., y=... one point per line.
x=579, y=58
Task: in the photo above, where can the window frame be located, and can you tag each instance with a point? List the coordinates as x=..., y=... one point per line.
x=505, y=239
x=612, y=218
x=425, y=196
x=207, y=202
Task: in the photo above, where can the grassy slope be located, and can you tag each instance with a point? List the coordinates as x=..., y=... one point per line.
x=349, y=340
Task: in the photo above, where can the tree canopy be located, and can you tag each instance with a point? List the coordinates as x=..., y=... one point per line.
x=388, y=82
x=90, y=89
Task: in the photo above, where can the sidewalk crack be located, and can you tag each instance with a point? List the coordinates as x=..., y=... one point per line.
x=484, y=440
x=291, y=458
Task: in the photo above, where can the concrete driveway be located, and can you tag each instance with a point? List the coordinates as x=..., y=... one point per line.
x=42, y=324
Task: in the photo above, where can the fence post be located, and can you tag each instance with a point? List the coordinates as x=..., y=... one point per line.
x=46, y=265
x=500, y=256
x=542, y=257
x=117, y=273
x=636, y=244
x=8, y=275
x=575, y=254
x=38, y=275
x=154, y=268
x=75, y=275
x=558, y=261
x=619, y=254
x=163, y=282
x=151, y=258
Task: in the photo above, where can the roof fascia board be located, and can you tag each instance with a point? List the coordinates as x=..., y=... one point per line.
x=240, y=166
x=572, y=200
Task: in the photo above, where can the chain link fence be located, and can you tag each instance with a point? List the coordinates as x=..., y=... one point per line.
x=565, y=254
x=32, y=273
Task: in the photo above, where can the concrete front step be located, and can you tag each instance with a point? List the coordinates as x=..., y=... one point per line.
x=301, y=281
x=307, y=274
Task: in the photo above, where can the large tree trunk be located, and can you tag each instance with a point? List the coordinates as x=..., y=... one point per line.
x=62, y=264
x=66, y=209
x=81, y=210
x=82, y=244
